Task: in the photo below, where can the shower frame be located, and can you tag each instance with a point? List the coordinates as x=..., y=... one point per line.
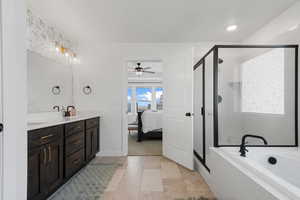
x=215, y=51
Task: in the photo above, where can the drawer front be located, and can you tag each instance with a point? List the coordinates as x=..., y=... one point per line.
x=74, y=127
x=92, y=123
x=74, y=143
x=74, y=162
x=44, y=136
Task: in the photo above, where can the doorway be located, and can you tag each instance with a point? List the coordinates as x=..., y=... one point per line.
x=144, y=108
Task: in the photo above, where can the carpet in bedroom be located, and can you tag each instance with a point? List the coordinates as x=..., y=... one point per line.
x=144, y=148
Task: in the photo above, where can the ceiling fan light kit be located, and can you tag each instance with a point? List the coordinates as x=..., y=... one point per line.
x=139, y=71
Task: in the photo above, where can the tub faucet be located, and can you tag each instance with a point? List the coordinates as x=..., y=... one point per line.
x=243, y=149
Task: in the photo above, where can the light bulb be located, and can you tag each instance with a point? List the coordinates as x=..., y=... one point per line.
x=139, y=73
x=231, y=28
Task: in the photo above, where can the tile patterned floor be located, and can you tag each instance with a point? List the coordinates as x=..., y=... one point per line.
x=154, y=178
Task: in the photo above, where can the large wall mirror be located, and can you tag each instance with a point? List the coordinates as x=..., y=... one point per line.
x=50, y=83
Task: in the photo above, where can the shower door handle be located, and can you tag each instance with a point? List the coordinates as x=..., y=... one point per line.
x=188, y=114
x=1, y=127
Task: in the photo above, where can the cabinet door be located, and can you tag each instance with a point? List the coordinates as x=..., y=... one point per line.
x=88, y=144
x=95, y=141
x=54, y=173
x=36, y=173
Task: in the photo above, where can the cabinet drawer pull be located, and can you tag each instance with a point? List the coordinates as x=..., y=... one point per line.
x=45, y=137
x=45, y=156
x=77, y=142
x=75, y=162
x=50, y=153
x=77, y=128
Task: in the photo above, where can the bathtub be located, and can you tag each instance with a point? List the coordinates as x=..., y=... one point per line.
x=279, y=181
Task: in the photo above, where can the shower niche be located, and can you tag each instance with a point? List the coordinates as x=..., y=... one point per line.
x=245, y=89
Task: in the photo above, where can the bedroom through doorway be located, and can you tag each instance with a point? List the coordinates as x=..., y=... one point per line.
x=145, y=108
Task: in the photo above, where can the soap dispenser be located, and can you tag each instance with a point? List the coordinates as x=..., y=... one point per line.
x=71, y=110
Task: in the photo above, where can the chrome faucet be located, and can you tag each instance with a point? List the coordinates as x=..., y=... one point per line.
x=243, y=149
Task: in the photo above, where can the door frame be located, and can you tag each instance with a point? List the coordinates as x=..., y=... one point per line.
x=124, y=102
x=14, y=87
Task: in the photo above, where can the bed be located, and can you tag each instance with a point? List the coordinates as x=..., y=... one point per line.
x=149, y=125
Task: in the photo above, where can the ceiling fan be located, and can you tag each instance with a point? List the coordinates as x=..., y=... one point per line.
x=140, y=70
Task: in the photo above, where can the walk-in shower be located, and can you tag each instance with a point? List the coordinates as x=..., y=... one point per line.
x=245, y=89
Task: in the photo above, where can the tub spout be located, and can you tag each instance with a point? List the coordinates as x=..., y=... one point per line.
x=243, y=149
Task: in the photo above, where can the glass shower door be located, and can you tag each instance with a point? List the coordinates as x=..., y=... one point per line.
x=198, y=119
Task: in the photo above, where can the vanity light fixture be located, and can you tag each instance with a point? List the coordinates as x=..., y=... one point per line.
x=231, y=28
x=68, y=53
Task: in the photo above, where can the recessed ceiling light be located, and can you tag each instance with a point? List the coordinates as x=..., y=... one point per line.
x=231, y=28
x=293, y=27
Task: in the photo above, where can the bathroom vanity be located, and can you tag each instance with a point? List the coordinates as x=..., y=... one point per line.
x=59, y=150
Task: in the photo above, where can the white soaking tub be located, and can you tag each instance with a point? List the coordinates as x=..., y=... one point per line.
x=278, y=181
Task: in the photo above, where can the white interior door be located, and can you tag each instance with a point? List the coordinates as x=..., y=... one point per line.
x=1, y=118
x=177, y=128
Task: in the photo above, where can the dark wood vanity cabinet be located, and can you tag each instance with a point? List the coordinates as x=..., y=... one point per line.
x=36, y=174
x=45, y=161
x=91, y=143
x=56, y=153
x=54, y=169
x=91, y=138
x=74, y=143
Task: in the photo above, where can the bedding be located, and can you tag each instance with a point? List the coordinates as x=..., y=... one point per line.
x=152, y=120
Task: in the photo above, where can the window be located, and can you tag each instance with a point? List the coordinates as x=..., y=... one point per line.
x=263, y=83
x=143, y=98
x=159, y=98
x=129, y=100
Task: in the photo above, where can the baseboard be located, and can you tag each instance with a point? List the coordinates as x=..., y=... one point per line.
x=205, y=174
x=110, y=153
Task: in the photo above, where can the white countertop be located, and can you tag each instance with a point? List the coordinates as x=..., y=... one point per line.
x=43, y=120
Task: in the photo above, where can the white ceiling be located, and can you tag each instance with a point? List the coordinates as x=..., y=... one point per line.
x=151, y=21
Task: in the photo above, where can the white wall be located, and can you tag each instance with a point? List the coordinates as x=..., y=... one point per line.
x=14, y=99
x=102, y=68
x=43, y=74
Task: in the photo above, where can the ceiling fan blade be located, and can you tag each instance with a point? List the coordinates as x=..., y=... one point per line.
x=149, y=72
x=145, y=68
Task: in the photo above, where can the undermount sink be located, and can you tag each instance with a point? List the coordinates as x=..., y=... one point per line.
x=40, y=118
x=36, y=122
